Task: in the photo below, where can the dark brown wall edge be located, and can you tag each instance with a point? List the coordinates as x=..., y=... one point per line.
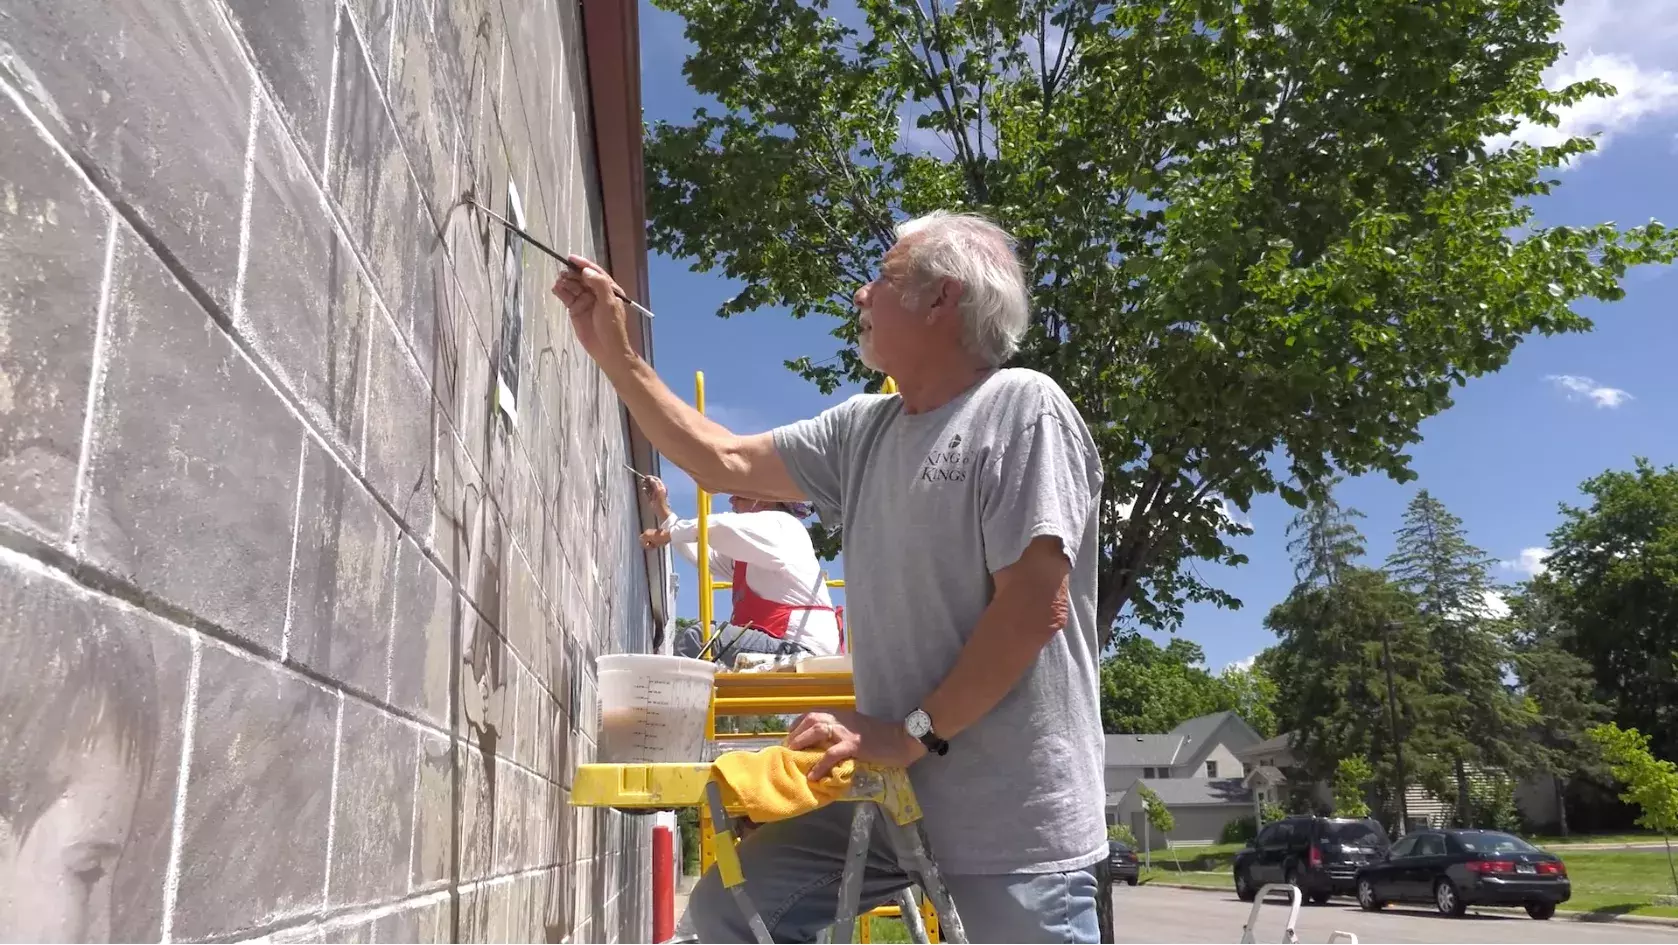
x=611, y=39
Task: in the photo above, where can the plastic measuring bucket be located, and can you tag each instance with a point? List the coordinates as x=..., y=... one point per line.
x=653, y=708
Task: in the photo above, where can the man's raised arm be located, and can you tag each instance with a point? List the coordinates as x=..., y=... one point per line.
x=717, y=459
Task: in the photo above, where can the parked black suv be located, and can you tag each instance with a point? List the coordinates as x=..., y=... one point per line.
x=1320, y=855
x=1121, y=859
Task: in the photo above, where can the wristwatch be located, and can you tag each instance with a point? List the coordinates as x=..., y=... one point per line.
x=919, y=726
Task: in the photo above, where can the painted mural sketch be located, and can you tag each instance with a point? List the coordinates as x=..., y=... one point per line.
x=88, y=751
x=79, y=745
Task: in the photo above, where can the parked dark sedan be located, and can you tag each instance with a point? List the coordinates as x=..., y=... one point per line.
x=1121, y=861
x=1455, y=869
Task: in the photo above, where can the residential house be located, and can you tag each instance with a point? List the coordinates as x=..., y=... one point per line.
x=1195, y=769
x=1272, y=765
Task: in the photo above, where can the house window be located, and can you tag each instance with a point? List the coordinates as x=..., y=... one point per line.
x=1147, y=772
x=1246, y=769
x=1211, y=769
x=1165, y=774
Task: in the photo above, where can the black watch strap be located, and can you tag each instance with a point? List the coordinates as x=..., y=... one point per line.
x=934, y=744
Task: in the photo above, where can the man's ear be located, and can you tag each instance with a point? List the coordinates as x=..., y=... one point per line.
x=948, y=300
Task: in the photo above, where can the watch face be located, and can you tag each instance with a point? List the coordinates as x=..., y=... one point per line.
x=918, y=723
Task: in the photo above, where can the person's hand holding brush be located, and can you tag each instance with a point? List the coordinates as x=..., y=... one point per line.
x=598, y=315
x=659, y=496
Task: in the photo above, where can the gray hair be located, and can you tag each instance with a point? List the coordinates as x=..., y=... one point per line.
x=969, y=248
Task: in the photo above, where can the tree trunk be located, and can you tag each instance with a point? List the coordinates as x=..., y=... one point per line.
x=1113, y=589
x=1462, y=794
x=1561, y=804
x=1669, y=864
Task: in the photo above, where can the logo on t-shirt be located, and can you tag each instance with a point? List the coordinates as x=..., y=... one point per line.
x=948, y=464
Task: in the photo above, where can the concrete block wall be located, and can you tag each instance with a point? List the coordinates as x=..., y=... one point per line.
x=297, y=629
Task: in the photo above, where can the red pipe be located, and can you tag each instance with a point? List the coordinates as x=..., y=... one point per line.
x=664, y=885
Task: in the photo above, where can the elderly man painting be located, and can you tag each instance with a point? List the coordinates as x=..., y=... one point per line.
x=968, y=502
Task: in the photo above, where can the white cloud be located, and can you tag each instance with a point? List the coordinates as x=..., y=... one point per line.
x=1242, y=665
x=1530, y=562
x=1577, y=388
x=1494, y=605
x=1630, y=44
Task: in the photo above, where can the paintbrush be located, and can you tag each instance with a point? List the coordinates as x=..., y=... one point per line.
x=470, y=199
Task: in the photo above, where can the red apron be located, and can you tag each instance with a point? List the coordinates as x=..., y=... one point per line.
x=772, y=617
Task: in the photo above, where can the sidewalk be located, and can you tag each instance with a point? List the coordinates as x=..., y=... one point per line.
x=684, y=889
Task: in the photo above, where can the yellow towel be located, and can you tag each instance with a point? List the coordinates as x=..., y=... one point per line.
x=774, y=783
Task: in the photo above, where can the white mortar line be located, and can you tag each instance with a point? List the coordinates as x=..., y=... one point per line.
x=390, y=46
x=390, y=641
x=238, y=313
x=367, y=381
x=296, y=534
x=46, y=135
x=331, y=103
x=413, y=813
x=189, y=722
x=95, y=390
x=332, y=811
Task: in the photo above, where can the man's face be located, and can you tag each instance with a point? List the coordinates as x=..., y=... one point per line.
x=891, y=325
x=55, y=878
x=738, y=503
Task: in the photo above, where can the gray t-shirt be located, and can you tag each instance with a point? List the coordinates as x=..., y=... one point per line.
x=931, y=505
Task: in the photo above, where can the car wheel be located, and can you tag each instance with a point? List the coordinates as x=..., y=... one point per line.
x=1131, y=881
x=1319, y=899
x=1448, y=901
x=1291, y=877
x=1366, y=897
x=1541, y=910
x=1244, y=890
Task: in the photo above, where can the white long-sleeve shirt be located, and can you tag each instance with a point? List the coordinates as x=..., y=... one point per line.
x=781, y=566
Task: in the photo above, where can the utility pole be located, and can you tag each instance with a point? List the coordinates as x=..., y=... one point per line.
x=1392, y=716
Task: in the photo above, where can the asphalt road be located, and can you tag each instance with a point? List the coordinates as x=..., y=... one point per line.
x=1154, y=914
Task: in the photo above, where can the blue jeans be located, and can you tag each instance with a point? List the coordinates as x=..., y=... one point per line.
x=731, y=640
x=792, y=871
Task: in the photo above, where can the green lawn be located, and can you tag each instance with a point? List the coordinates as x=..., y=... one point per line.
x=1619, y=881
x=1217, y=879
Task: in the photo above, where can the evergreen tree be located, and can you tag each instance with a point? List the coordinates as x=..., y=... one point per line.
x=1330, y=670
x=1487, y=723
x=1323, y=538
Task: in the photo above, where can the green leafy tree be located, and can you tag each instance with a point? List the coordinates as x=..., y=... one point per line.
x=1122, y=834
x=1615, y=571
x=1351, y=779
x=1487, y=723
x=1251, y=694
x=1149, y=688
x=1651, y=782
x=1160, y=819
x=1264, y=240
x=1323, y=538
x=1559, y=685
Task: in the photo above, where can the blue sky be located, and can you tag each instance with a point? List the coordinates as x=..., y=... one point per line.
x=1515, y=446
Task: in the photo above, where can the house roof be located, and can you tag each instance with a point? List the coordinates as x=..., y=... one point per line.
x=1175, y=748
x=1186, y=792
x=1140, y=750
x=1282, y=742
